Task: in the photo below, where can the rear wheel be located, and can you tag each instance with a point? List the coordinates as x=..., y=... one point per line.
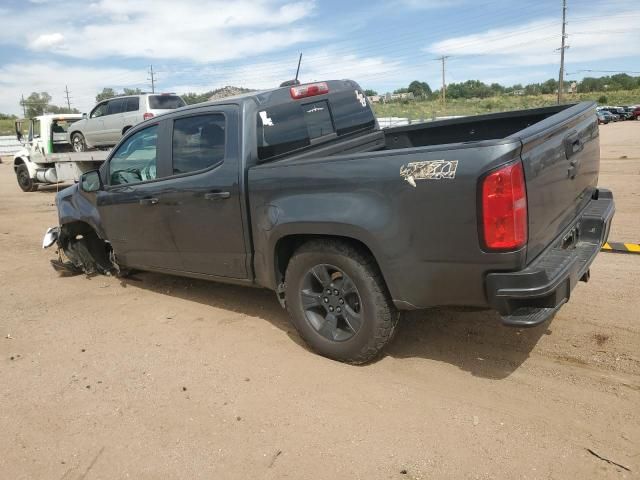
x=25, y=181
x=78, y=143
x=338, y=301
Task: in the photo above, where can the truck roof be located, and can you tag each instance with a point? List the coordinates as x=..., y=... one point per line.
x=275, y=95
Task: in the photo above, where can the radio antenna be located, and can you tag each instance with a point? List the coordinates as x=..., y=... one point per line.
x=298, y=69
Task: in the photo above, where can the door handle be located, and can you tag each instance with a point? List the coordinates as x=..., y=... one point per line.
x=148, y=201
x=216, y=195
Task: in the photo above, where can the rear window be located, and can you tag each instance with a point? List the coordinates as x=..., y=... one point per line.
x=61, y=125
x=165, y=102
x=286, y=127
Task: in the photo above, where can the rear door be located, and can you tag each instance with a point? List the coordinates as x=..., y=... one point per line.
x=204, y=208
x=561, y=157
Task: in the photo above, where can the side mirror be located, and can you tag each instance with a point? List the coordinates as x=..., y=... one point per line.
x=84, y=116
x=90, y=181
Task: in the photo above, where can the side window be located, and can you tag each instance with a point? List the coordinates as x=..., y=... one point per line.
x=36, y=128
x=198, y=142
x=133, y=104
x=99, y=111
x=117, y=105
x=135, y=160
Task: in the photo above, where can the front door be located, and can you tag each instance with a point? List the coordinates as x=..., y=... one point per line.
x=204, y=201
x=132, y=205
x=113, y=121
x=93, y=129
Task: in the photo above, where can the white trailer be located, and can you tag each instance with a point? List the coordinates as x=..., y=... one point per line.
x=47, y=157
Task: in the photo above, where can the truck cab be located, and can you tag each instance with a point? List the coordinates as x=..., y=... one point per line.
x=47, y=156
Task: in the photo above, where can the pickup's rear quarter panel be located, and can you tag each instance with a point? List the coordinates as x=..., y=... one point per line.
x=425, y=238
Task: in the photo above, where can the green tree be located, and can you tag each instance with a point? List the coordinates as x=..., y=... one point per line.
x=131, y=91
x=550, y=86
x=36, y=104
x=191, y=97
x=105, y=94
x=370, y=93
x=419, y=89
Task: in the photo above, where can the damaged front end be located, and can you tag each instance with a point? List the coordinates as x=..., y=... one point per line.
x=80, y=250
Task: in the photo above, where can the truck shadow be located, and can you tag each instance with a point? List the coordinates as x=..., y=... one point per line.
x=474, y=341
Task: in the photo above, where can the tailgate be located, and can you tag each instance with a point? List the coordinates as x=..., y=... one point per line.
x=561, y=158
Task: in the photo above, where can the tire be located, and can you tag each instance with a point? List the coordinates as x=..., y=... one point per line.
x=25, y=182
x=367, y=319
x=78, y=143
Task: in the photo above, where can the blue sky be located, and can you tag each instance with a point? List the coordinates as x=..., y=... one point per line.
x=198, y=45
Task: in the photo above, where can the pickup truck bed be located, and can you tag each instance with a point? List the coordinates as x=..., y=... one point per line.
x=310, y=198
x=426, y=238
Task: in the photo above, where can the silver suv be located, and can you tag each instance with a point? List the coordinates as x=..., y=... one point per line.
x=110, y=119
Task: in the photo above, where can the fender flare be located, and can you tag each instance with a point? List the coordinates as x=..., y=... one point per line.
x=22, y=158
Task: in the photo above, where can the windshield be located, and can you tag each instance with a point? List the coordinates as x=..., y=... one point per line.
x=165, y=102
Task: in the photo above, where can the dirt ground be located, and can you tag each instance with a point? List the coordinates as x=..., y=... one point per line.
x=163, y=377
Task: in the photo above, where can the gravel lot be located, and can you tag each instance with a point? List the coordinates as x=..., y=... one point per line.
x=162, y=377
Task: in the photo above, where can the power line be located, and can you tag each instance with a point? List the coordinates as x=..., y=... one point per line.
x=562, y=49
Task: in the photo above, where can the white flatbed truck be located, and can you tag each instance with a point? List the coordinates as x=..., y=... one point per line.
x=47, y=157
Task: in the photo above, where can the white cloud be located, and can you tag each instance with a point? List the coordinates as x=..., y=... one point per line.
x=23, y=78
x=535, y=43
x=46, y=41
x=189, y=30
x=429, y=4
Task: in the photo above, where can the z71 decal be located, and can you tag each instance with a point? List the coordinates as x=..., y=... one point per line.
x=429, y=170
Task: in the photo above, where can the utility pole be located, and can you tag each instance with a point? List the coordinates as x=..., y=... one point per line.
x=562, y=49
x=24, y=107
x=444, y=84
x=66, y=91
x=152, y=78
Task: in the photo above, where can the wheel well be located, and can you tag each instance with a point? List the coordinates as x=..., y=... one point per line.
x=97, y=247
x=286, y=247
x=74, y=132
x=16, y=163
x=124, y=130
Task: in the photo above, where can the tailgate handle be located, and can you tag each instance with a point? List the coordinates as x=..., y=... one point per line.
x=572, y=144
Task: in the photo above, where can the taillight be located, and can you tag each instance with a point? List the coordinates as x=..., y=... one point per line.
x=504, y=208
x=309, y=90
x=147, y=116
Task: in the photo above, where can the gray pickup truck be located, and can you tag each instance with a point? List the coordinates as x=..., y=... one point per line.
x=298, y=190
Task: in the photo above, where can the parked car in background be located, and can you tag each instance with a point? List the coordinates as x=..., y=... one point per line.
x=625, y=112
x=618, y=112
x=610, y=117
x=603, y=119
x=632, y=112
x=110, y=119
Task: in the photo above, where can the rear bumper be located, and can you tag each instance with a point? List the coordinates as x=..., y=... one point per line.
x=531, y=296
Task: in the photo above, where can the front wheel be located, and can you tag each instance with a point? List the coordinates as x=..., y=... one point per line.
x=78, y=143
x=338, y=301
x=25, y=182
